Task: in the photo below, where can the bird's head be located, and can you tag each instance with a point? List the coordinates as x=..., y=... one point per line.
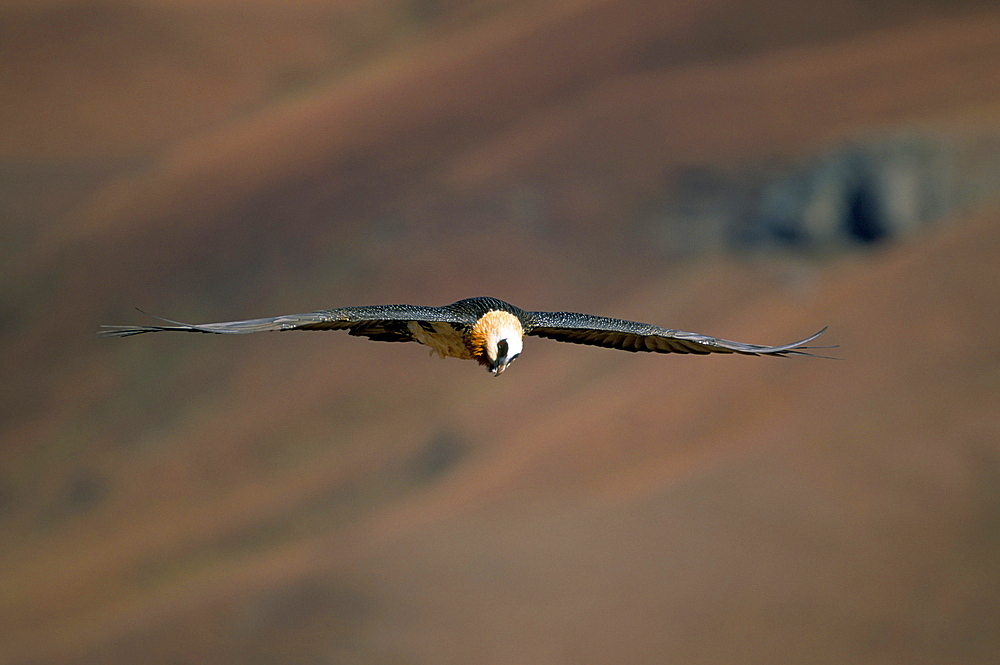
x=496, y=340
x=502, y=353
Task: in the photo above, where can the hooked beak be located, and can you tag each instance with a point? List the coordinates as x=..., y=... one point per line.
x=497, y=368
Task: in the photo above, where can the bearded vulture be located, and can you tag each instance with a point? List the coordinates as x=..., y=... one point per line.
x=487, y=330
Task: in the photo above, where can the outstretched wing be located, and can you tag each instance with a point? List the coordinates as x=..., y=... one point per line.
x=633, y=336
x=387, y=323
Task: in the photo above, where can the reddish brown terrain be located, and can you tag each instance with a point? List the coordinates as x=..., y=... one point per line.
x=312, y=498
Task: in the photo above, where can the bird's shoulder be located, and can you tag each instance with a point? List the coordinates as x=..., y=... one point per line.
x=471, y=310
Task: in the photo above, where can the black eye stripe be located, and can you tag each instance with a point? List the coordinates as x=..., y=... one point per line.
x=502, y=348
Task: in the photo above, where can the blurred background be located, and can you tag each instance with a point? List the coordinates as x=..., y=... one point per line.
x=753, y=171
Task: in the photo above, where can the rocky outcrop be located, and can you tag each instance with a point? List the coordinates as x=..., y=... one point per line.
x=858, y=194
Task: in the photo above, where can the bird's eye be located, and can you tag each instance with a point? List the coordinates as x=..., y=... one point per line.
x=502, y=348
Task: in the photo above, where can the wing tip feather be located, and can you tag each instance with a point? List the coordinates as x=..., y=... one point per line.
x=800, y=348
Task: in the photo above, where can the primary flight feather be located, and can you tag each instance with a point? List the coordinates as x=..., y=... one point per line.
x=487, y=330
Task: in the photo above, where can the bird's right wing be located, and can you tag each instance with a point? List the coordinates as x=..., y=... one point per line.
x=377, y=322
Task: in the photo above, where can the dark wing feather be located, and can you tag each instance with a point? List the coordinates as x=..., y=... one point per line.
x=377, y=322
x=633, y=336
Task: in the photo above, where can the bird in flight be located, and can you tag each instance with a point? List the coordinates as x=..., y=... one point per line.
x=487, y=330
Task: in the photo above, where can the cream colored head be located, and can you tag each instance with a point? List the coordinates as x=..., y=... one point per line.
x=495, y=340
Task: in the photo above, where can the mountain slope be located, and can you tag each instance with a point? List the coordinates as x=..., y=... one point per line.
x=676, y=490
x=304, y=497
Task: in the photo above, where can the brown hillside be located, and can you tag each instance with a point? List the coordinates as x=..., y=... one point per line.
x=311, y=498
x=695, y=508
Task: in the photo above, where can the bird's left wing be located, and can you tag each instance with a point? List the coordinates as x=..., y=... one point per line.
x=378, y=322
x=633, y=336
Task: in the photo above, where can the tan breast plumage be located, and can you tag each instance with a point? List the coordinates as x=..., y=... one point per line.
x=443, y=339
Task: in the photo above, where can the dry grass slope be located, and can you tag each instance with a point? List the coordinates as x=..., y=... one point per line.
x=315, y=497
